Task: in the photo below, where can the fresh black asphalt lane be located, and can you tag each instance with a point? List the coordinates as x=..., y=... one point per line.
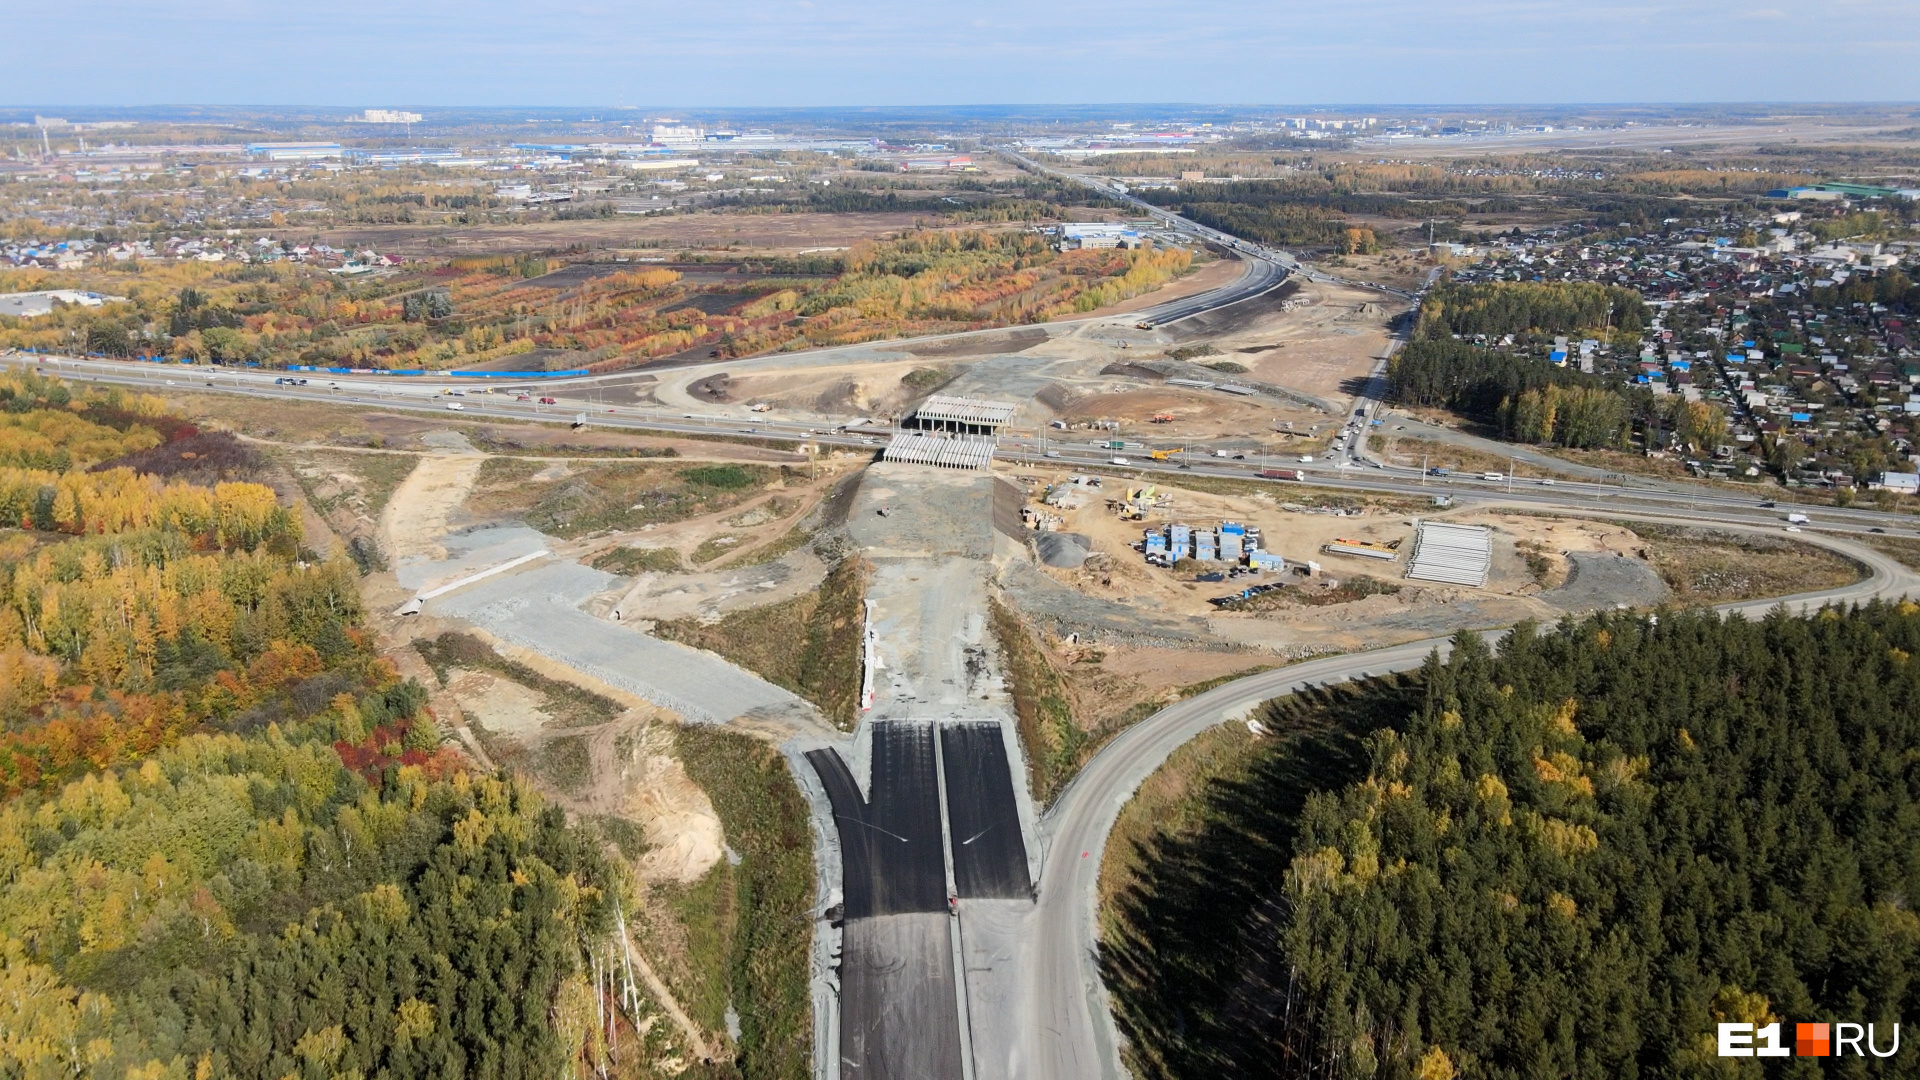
x=989, y=855
x=899, y=1012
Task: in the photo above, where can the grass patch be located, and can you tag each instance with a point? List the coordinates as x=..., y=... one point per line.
x=704, y=915
x=1041, y=704
x=713, y=547
x=1192, y=352
x=357, y=483
x=624, y=835
x=809, y=644
x=632, y=562
x=1350, y=589
x=569, y=705
x=925, y=380
x=1711, y=566
x=564, y=764
x=766, y=955
x=1226, y=367
x=1166, y=804
x=1902, y=549
x=792, y=540
x=614, y=496
x=1539, y=562
x=723, y=477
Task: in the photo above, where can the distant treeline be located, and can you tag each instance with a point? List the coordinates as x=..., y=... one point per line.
x=1572, y=857
x=1318, y=194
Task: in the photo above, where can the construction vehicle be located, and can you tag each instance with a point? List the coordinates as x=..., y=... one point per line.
x=1162, y=455
x=1138, y=501
x=1161, y=418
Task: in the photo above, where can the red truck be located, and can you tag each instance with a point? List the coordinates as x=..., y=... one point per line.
x=549, y=401
x=1279, y=474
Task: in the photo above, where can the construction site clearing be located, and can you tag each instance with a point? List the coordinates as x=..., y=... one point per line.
x=1163, y=552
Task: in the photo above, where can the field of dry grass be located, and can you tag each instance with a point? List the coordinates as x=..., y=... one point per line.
x=1710, y=566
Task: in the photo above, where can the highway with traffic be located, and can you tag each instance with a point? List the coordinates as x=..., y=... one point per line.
x=1351, y=469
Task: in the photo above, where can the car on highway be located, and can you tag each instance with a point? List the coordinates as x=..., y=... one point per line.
x=455, y=406
x=1053, y=453
x=1546, y=481
x=1493, y=477
x=549, y=401
x=1306, y=459
x=1119, y=461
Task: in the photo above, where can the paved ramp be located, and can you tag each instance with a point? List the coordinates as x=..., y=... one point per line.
x=899, y=1006
x=539, y=609
x=989, y=854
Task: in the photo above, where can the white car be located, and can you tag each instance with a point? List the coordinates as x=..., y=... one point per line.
x=454, y=406
x=1306, y=459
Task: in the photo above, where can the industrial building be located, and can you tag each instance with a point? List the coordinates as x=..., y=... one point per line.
x=1099, y=234
x=296, y=151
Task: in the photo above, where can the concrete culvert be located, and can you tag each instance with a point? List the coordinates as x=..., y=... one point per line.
x=1064, y=550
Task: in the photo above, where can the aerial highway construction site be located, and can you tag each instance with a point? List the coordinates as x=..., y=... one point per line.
x=974, y=586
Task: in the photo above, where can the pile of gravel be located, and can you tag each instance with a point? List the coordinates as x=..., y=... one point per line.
x=1064, y=550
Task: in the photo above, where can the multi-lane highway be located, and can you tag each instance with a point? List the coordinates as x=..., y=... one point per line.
x=1116, y=190
x=1071, y=1034
x=1348, y=471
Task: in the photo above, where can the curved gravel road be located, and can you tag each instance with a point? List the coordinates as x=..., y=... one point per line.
x=1072, y=1034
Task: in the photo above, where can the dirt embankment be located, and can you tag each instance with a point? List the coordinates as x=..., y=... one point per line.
x=416, y=516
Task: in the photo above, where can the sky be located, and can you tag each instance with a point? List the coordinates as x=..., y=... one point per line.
x=738, y=53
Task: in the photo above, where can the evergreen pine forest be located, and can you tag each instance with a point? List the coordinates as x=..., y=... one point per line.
x=231, y=844
x=1570, y=855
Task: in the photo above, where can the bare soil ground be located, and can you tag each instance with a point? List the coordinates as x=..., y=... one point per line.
x=417, y=516
x=1203, y=415
x=759, y=233
x=1399, y=269
x=1330, y=336
x=1531, y=557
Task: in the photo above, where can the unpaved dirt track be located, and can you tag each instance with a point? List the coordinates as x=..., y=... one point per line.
x=416, y=516
x=1070, y=1032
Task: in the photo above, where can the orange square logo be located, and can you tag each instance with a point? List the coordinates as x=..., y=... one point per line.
x=1812, y=1040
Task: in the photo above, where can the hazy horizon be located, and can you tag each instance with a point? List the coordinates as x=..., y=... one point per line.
x=855, y=53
